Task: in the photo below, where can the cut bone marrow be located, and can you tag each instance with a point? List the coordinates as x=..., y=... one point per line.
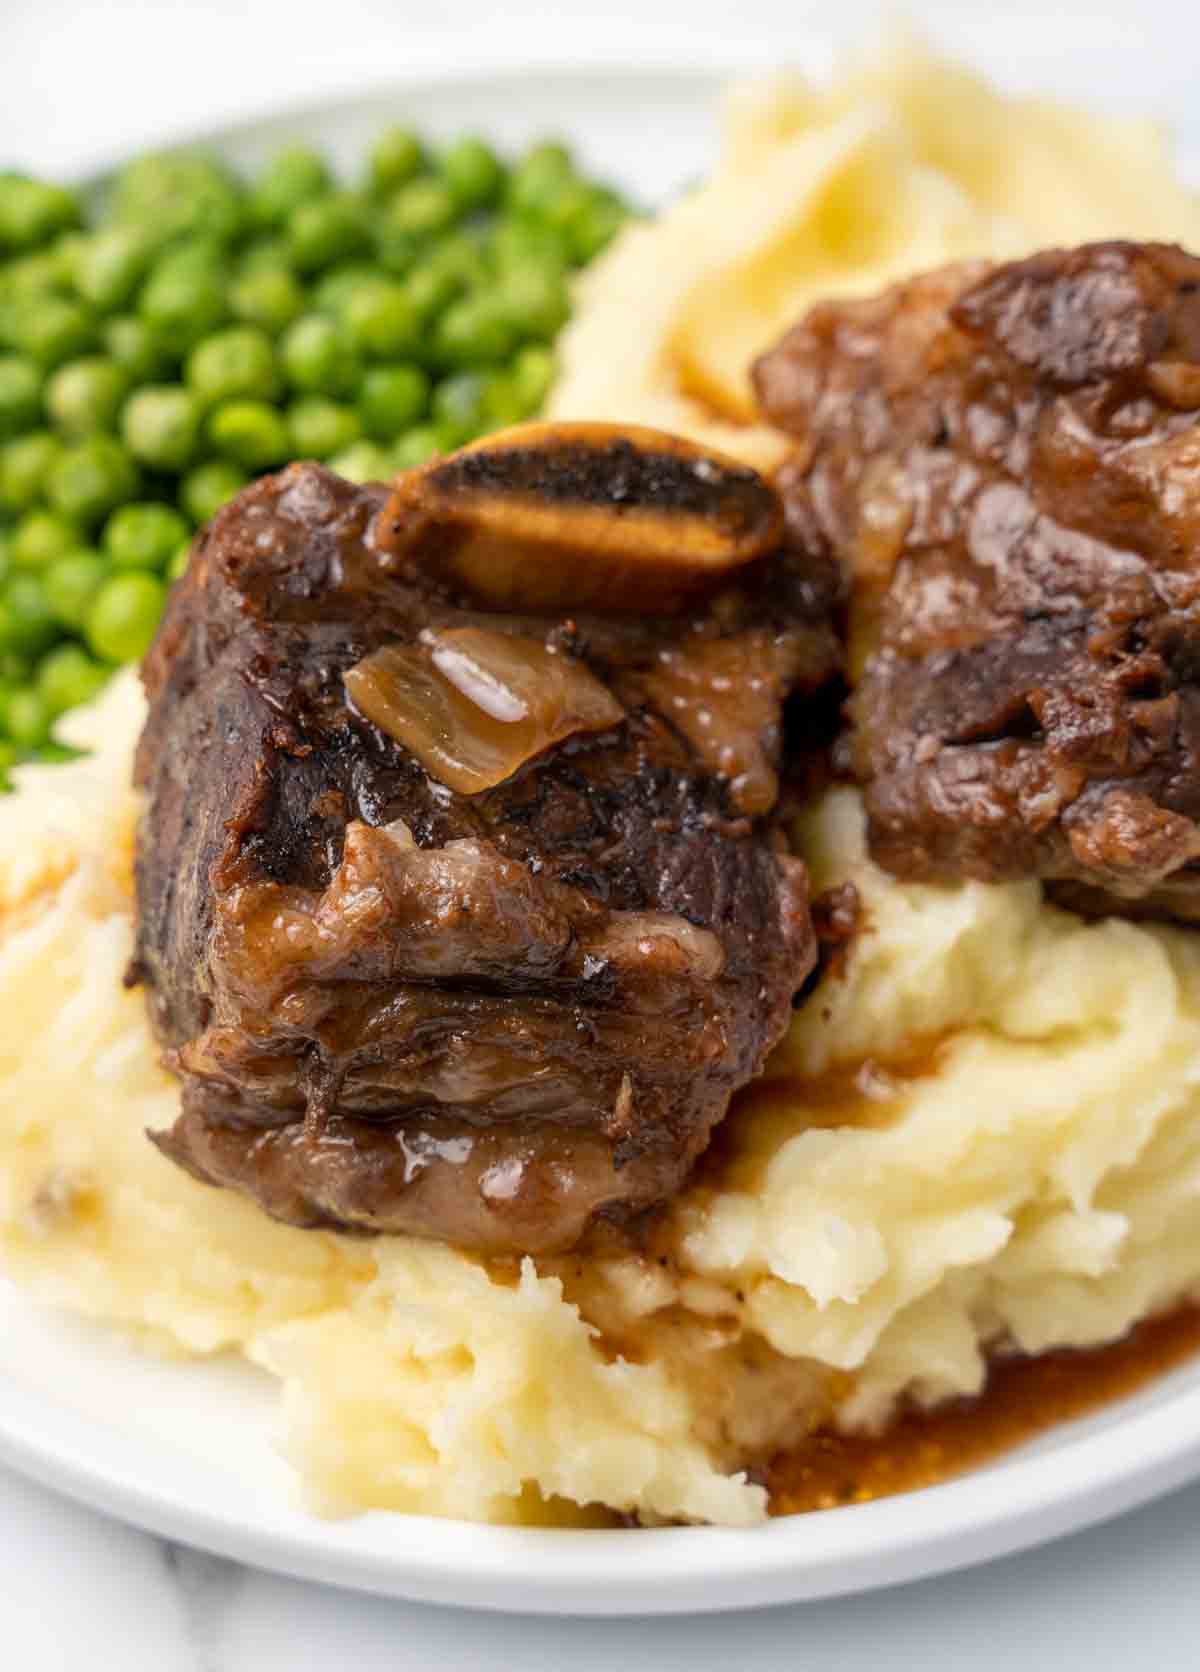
x=583, y=516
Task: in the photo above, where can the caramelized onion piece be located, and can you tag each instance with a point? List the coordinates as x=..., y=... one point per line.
x=474, y=706
x=547, y=517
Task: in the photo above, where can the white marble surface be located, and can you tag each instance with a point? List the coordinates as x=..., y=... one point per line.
x=77, y=1590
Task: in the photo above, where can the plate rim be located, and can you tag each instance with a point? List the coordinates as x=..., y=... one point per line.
x=703, y=63
x=1014, y=1504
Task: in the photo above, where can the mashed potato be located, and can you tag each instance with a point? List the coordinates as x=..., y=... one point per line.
x=985, y=1133
x=1033, y=1180
x=902, y=162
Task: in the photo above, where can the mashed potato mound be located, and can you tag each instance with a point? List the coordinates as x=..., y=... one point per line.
x=1033, y=1181
x=901, y=162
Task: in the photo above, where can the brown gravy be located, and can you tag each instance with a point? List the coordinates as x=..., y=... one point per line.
x=1024, y=1396
x=847, y=1094
x=865, y=1093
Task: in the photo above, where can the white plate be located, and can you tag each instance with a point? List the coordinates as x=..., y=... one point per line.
x=186, y=1449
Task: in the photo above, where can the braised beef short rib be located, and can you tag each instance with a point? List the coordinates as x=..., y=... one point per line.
x=460, y=908
x=1007, y=462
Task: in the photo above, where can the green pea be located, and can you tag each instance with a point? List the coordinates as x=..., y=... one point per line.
x=20, y=394
x=179, y=193
x=267, y=254
x=90, y=478
x=268, y=297
x=397, y=252
x=391, y=399
x=178, y=564
x=67, y=249
x=15, y=667
x=71, y=582
x=199, y=253
x=517, y=244
x=144, y=536
x=51, y=329
x=319, y=427
x=500, y=401
x=136, y=347
x=594, y=222
x=32, y=211
x=183, y=301
x=540, y=178
x=533, y=373
x=457, y=407
x=395, y=158
x=85, y=394
x=583, y=218
x=27, y=718
x=26, y=623
x=9, y=757
x=326, y=230
x=10, y=315
x=417, y=446
x=565, y=209
x=550, y=153
x=68, y=677
x=25, y=466
x=334, y=289
x=423, y=207
x=472, y=171
x=382, y=320
x=447, y=273
x=124, y=616
x=160, y=425
x=208, y=486
x=432, y=289
x=319, y=357
x=461, y=256
x=110, y=264
x=237, y=361
x=251, y=433
x=31, y=276
x=535, y=300
x=291, y=178
x=474, y=331
x=364, y=462
x=455, y=261
x=41, y=536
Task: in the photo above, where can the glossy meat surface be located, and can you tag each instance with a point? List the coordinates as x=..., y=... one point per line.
x=1007, y=462
x=501, y=1018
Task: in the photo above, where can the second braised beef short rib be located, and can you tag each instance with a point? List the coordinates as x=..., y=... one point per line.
x=1007, y=462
